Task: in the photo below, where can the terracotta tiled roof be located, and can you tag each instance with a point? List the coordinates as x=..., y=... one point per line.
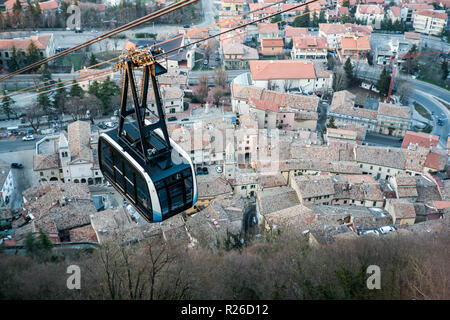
x=436, y=159
x=275, y=42
x=41, y=42
x=432, y=14
x=79, y=136
x=370, y=9
x=262, y=105
x=395, y=111
x=310, y=42
x=46, y=161
x=343, y=103
x=418, y=6
x=355, y=43
x=282, y=69
x=291, y=101
x=332, y=28
x=275, y=199
x=295, y=32
x=395, y=11
x=267, y=28
x=420, y=138
x=412, y=35
x=49, y=5
x=314, y=186
x=401, y=208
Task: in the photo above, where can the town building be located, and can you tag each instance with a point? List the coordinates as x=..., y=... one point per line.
x=309, y=47
x=385, y=118
x=236, y=56
x=370, y=14
x=420, y=139
x=71, y=158
x=430, y=22
x=272, y=47
x=313, y=189
x=401, y=211
x=172, y=99
x=44, y=43
x=289, y=75
x=354, y=47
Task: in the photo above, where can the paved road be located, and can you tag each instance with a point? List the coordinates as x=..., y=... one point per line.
x=12, y=145
x=433, y=105
x=194, y=75
x=373, y=139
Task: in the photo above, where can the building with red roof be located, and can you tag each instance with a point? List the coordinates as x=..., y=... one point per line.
x=421, y=139
x=372, y=15
x=287, y=75
x=309, y=47
x=272, y=47
x=354, y=47
x=44, y=43
x=430, y=22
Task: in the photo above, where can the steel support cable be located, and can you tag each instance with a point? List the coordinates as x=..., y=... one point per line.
x=237, y=27
x=111, y=33
x=29, y=89
x=176, y=49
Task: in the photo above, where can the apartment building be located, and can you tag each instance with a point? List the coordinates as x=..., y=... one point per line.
x=309, y=47
x=430, y=22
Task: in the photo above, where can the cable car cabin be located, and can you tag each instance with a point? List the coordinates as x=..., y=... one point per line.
x=155, y=190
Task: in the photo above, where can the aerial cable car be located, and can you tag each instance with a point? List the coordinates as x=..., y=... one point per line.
x=139, y=158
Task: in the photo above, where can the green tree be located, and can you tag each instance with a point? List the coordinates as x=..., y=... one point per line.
x=346, y=3
x=76, y=91
x=32, y=55
x=94, y=88
x=37, y=13
x=384, y=82
x=43, y=242
x=444, y=70
x=315, y=20
x=331, y=123
x=92, y=60
x=59, y=100
x=303, y=20
x=322, y=18
x=44, y=102
x=29, y=244
x=46, y=75
x=105, y=91
x=276, y=19
x=7, y=103
x=14, y=63
x=348, y=68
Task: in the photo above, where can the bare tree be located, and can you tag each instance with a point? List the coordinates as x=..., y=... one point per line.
x=201, y=90
x=404, y=91
x=340, y=80
x=33, y=116
x=217, y=94
x=220, y=77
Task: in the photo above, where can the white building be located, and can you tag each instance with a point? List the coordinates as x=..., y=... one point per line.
x=430, y=22
x=289, y=75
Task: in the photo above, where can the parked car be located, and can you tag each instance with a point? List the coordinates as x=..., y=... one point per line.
x=219, y=169
x=205, y=170
x=205, y=62
x=172, y=119
x=101, y=125
x=386, y=229
x=185, y=119
x=16, y=165
x=371, y=231
x=28, y=138
x=199, y=171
